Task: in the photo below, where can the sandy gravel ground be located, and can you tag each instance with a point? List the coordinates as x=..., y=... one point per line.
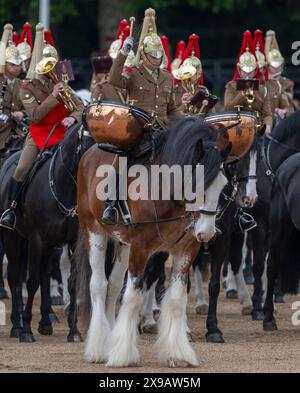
x=247, y=347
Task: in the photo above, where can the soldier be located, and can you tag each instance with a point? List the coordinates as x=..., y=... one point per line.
x=246, y=68
x=25, y=46
x=189, y=81
x=11, y=107
x=42, y=102
x=280, y=89
x=100, y=87
x=149, y=85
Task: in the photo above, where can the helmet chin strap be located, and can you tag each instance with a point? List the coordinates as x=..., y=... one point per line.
x=147, y=63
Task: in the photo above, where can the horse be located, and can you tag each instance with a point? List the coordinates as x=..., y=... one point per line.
x=46, y=220
x=283, y=261
x=261, y=164
x=161, y=225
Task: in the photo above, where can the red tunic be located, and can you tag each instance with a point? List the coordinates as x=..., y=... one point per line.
x=40, y=130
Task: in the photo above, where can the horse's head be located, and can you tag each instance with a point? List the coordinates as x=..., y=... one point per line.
x=191, y=142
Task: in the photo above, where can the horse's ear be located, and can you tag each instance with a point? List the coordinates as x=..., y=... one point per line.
x=225, y=152
x=262, y=130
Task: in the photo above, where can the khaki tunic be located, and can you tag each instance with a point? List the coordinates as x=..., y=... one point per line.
x=155, y=97
x=11, y=103
x=288, y=88
x=261, y=104
x=105, y=91
x=278, y=97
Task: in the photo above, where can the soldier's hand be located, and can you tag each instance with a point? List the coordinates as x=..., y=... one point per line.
x=186, y=98
x=268, y=129
x=68, y=121
x=18, y=115
x=127, y=46
x=281, y=112
x=57, y=89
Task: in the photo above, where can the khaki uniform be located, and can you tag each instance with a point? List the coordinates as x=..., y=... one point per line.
x=11, y=103
x=105, y=91
x=95, y=79
x=277, y=96
x=38, y=102
x=157, y=97
x=261, y=104
x=288, y=88
x=180, y=91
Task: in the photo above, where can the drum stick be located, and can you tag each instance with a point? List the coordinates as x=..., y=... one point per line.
x=132, y=20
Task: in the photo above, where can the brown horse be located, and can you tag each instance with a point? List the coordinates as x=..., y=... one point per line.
x=162, y=225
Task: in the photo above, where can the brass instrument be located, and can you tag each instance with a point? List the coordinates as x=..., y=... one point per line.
x=249, y=95
x=47, y=67
x=185, y=74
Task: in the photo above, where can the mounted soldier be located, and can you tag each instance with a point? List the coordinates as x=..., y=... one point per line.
x=50, y=115
x=148, y=83
x=248, y=98
x=25, y=47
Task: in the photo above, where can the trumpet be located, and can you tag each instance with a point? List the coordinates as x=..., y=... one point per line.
x=47, y=67
x=185, y=74
x=249, y=95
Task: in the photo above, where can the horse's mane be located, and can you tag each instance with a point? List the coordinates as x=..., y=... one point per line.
x=287, y=127
x=181, y=141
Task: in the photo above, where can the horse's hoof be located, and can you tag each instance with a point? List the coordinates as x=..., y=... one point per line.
x=15, y=332
x=150, y=329
x=53, y=318
x=45, y=330
x=26, y=338
x=57, y=301
x=176, y=363
x=270, y=326
x=279, y=299
x=257, y=315
x=3, y=294
x=202, y=309
x=216, y=337
x=75, y=338
x=231, y=294
x=247, y=310
x=156, y=314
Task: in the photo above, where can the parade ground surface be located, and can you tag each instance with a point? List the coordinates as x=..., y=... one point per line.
x=247, y=348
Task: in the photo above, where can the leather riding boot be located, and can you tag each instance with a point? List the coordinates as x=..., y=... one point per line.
x=8, y=218
x=110, y=214
x=244, y=222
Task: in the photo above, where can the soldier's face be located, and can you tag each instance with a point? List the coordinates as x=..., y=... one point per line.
x=275, y=70
x=153, y=60
x=13, y=70
x=247, y=75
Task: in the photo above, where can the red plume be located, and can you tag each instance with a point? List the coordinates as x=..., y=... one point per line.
x=48, y=38
x=246, y=43
x=15, y=38
x=126, y=32
x=259, y=42
x=26, y=33
x=122, y=26
x=165, y=44
x=180, y=48
x=193, y=46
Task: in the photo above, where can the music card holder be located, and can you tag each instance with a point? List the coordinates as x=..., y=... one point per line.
x=244, y=84
x=102, y=64
x=64, y=71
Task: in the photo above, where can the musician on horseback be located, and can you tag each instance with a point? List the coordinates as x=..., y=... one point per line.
x=50, y=117
x=11, y=107
x=280, y=89
x=148, y=84
x=256, y=101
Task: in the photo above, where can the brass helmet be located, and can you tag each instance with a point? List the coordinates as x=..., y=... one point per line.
x=247, y=60
x=12, y=55
x=116, y=45
x=49, y=49
x=25, y=43
x=150, y=42
x=274, y=57
x=180, y=49
x=191, y=56
x=7, y=33
x=259, y=49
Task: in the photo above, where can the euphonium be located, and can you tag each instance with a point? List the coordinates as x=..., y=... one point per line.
x=46, y=67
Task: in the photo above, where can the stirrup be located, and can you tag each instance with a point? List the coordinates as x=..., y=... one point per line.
x=13, y=226
x=116, y=215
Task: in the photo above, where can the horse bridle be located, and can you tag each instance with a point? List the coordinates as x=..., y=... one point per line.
x=72, y=211
x=265, y=152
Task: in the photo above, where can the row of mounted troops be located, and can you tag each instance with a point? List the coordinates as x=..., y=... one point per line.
x=144, y=82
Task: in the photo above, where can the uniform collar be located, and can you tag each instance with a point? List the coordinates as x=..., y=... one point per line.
x=148, y=75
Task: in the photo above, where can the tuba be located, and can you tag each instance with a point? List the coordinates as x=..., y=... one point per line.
x=47, y=67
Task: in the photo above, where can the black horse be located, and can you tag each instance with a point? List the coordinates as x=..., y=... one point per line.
x=46, y=220
x=284, y=258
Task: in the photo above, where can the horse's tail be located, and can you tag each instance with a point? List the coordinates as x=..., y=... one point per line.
x=289, y=273
x=83, y=274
